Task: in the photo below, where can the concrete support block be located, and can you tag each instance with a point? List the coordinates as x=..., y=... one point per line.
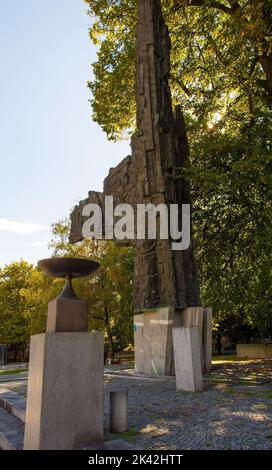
x=192, y=316
x=207, y=339
x=119, y=411
x=65, y=391
x=67, y=315
x=139, y=355
x=187, y=359
x=153, y=342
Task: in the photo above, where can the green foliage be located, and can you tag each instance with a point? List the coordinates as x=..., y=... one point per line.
x=232, y=190
x=39, y=290
x=14, y=327
x=113, y=88
x=221, y=62
x=24, y=295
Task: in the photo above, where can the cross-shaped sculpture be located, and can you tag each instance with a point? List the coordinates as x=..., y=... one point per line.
x=165, y=281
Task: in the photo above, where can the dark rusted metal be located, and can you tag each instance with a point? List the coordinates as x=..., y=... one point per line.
x=68, y=268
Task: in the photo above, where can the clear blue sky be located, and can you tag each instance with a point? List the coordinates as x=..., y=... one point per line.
x=51, y=153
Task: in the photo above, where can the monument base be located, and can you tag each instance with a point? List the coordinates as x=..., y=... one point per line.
x=65, y=391
x=153, y=344
x=187, y=359
x=66, y=315
x=153, y=338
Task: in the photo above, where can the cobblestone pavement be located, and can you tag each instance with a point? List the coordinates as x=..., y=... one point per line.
x=233, y=412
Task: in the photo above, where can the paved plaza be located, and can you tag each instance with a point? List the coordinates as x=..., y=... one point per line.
x=233, y=412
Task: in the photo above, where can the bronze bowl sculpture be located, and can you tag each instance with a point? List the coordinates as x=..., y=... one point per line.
x=68, y=268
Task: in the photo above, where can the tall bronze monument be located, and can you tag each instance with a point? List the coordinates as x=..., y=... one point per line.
x=165, y=281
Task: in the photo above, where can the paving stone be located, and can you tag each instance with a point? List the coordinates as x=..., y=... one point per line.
x=11, y=431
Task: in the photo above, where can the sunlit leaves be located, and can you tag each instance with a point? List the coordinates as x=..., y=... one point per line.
x=218, y=60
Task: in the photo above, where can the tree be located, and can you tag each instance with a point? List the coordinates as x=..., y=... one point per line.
x=232, y=218
x=24, y=295
x=38, y=291
x=14, y=327
x=221, y=61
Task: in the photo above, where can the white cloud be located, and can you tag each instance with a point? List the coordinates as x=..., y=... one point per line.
x=38, y=243
x=24, y=228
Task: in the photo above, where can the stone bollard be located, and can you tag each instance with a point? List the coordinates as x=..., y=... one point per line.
x=119, y=411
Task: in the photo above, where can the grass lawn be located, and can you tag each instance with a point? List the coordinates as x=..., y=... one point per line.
x=225, y=358
x=12, y=372
x=233, y=358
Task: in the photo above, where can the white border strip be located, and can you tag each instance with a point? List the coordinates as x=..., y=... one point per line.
x=162, y=322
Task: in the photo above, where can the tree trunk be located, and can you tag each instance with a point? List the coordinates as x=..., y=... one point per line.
x=109, y=334
x=266, y=64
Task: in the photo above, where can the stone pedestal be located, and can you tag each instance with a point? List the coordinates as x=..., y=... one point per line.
x=67, y=314
x=192, y=316
x=207, y=339
x=65, y=391
x=187, y=358
x=153, y=342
